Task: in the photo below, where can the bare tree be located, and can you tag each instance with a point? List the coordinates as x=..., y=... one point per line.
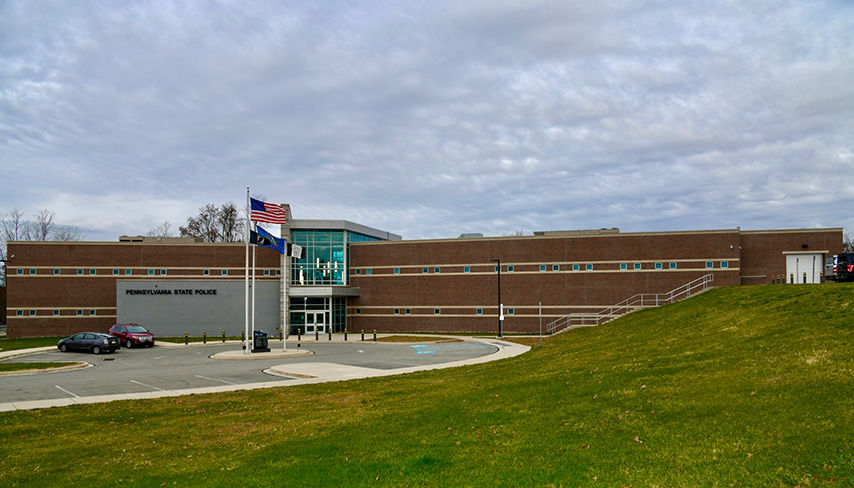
x=42, y=225
x=230, y=223
x=15, y=228
x=214, y=224
x=66, y=233
x=162, y=230
x=848, y=242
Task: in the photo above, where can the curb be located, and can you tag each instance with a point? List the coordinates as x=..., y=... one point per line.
x=58, y=369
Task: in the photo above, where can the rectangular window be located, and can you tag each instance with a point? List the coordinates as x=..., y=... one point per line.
x=637, y=265
x=710, y=264
x=466, y=269
x=624, y=266
x=575, y=267
x=724, y=264
x=79, y=272
x=408, y=311
x=278, y=272
x=659, y=265
x=478, y=311
x=224, y=272
x=511, y=311
x=266, y=272
x=56, y=271
x=92, y=312
x=91, y=271
x=32, y=271
x=672, y=265
x=55, y=313
x=368, y=271
x=497, y=269
x=589, y=267
x=555, y=267
x=19, y=313
x=542, y=267
x=79, y=312
x=358, y=271
x=32, y=313
x=115, y=272
x=397, y=311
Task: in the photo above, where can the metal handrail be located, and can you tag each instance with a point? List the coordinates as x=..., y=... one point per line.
x=634, y=302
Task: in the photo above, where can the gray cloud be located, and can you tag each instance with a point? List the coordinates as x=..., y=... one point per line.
x=431, y=119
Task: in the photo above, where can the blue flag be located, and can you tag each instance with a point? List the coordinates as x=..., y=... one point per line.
x=265, y=239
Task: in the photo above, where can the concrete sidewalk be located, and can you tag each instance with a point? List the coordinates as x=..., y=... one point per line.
x=305, y=373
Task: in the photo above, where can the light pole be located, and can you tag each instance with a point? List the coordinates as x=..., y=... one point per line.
x=500, y=311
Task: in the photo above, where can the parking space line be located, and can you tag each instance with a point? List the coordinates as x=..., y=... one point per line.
x=66, y=391
x=216, y=379
x=147, y=386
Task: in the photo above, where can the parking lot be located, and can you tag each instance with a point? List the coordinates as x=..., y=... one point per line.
x=181, y=368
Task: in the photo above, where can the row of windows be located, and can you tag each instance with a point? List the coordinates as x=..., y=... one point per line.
x=150, y=272
x=32, y=313
x=556, y=267
x=437, y=311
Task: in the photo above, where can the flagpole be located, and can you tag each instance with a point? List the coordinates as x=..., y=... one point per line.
x=254, y=248
x=246, y=279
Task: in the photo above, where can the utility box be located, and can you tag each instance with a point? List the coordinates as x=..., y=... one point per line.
x=259, y=342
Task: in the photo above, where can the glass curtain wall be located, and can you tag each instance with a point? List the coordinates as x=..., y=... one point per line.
x=322, y=261
x=333, y=309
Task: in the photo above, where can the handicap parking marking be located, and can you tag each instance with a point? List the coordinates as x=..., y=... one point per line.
x=420, y=349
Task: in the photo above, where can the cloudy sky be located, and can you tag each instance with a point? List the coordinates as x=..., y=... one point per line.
x=429, y=119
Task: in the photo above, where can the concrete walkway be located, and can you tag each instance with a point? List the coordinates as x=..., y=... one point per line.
x=298, y=374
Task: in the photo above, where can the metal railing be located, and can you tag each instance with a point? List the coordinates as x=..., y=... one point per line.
x=635, y=302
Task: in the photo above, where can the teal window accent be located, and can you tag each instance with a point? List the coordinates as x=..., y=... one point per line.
x=266, y=272
x=624, y=266
x=542, y=267
x=19, y=271
x=206, y=272
x=91, y=271
x=466, y=269
x=224, y=272
x=278, y=272
x=497, y=269
x=724, y=264
x=368, y=271
x=555, y=267
x=55, y=313
x=511, y=311
x=408, y=311
x=478, y=311
x=672, y=265
x=79, y=271
x=162, y=271
x=659, y=265
x=437, y=269
x=19, y=313
x=79, y=312
x=32, y=271
x=358, y=271
x=92, y=312
x=511, y=268
x=637, y=265
x=575, y=267
x=56, y=271
x=150, y=272
x=588, y=267
x=425, y=269
x=128, y=272
x=115, y=272
x=437, y=311
x=397, y=311
x=32, y=313
x=710, y=264
x=396, y=270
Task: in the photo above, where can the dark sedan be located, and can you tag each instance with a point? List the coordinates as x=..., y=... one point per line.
x=95, y=342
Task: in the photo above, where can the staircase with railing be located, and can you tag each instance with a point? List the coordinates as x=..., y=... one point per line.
x=636, y=302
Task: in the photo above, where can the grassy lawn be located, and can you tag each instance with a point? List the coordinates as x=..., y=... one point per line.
x=747, y=386
x=5, y=366
x=14, y=344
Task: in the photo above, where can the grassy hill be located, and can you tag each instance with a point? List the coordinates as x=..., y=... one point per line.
x=748, y=386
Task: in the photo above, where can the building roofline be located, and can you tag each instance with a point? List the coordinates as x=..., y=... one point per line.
x=324, y=224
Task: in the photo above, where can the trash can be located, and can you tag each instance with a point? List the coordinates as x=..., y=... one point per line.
x=259, y=342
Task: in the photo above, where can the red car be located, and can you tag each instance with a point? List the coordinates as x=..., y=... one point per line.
x=132, y=335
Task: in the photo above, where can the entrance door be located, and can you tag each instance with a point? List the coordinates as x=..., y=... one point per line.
x=314, y=321
x=804, y=268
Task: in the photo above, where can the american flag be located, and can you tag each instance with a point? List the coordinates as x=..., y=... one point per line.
x=267, y=212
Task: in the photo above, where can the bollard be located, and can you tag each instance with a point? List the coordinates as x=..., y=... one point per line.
x=375, y=335
x=204, y=337
x=363, y=336
x=299, y=337
x=316, y=334
x=345, y=334
x=223, y=337
x=329, y=330
x=281, y=334
x=186, y=338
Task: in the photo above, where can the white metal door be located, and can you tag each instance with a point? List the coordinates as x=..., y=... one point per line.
x=314, y=321
x=804, y=268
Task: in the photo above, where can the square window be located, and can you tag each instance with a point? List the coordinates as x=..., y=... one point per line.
x=466, y=269
x=150, y=272
x=19, y=271
x=56, y=271
x=478, y=311
x=128, y=272
x=724, y=264
x=672, y=265
x=19, y=313
x=437, y=269
x=542, y=267
x=79, y=312
x=91, y=271
x=624, y=266
x=56, y=312
x=575, y=267
x=32, y=313
x=32, y=271
x=162, y=271
x=369, y=271
x=497, y=268
x=224, y=272
x=425, y=270
x=358, y=271
x=437, y=311
x=589, y=267
x=511, y=311
x=637, y=265
x=206, y=272
x=511, y=268
x=266, y=272
x=92, y=312
x=79, y=272
x=710, y=264
x=396, y=270
x=658, y=265
x=358, y=310
x=115, y=272
x=555, y=267
x=397, y=311
x=278, y=272
x=408, y=311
